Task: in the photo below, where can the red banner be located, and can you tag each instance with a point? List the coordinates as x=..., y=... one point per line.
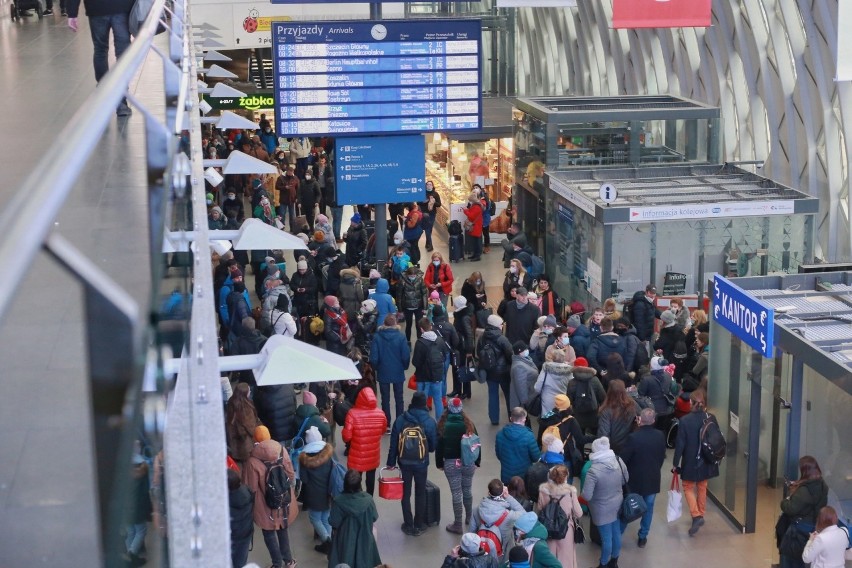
x=660, y=13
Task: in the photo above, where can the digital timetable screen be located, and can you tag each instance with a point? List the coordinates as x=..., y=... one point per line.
x=376, y=77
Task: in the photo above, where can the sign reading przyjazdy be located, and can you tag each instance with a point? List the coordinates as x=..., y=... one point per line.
x=744, y=316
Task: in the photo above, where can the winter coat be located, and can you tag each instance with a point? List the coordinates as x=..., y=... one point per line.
x=570, y=354
x=445, y=277
x=356, y=243
x=536, y=543
x=276, y=408
x=315, y=471
x=617, y=428
x=95, y=8
x=412, y=294
x=588, y=419
x=552, y=380
x=806, y=501
x=449, y=441
x=522, y=279
x=254, y=476
x=352, y=541
x=311, y=413
x=309, y=195
x=474, y=215
x=241, y=509
x=520, y=322
x=334, y=328
x=569, y=427
x=602, y=488
x=428, y=358
x=390, y=354
x=493, y=336
x=524, y=374
x=283, y=324
x=602, y=346
x=305, y=302
x=481, y=559
x=644, y=454
x=655, y=385
x=287, y=187
x=669, y=336
x=827, y=549
x=464, y=327
x=270, y=301
x=363, y=431
x=634, y=352
x=516, y=450
x=351, y=292
x=412, y=416
x=563, y=549
x=384, y=301
x=489, y=512
x=686, y=456
x=446, y=331
x=474, y=304
x=643, y=314
x=581, y=339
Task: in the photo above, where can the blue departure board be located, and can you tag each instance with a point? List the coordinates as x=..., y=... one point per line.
x=376, y=77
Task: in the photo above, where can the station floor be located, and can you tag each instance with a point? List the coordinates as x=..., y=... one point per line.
x=47, y=490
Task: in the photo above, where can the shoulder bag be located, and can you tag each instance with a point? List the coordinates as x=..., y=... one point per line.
x=533, y=405
x=633, y=505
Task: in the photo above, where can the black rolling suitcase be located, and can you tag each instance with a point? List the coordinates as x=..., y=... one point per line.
x=456, y=248
x=433, y=504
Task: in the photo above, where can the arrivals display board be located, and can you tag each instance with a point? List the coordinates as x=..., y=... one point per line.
x=347, y=78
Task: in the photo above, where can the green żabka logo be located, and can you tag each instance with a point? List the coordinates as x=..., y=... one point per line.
x=255, y=102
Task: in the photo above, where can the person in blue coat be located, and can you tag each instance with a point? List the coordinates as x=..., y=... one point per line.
x=390, y=355
x=515, y=446
x=581, y=337
x=384, y=301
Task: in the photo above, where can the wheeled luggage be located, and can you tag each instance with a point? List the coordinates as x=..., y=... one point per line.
x=433, y=504
x=456, y=248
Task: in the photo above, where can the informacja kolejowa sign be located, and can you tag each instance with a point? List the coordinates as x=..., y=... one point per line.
x=744, y=316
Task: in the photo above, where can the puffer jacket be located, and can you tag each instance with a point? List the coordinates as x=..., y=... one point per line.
x=588, y=419
x=363, y=431
x=241, y=507
x=516, y=449
x=276, y=408
x=602, y=346
x=602, y=488
x=412, y=416
x=390, y=355
x=581, y=339
x=314, y=471
x=464, y=327
x=445, y=277
x=356, y=243
x=493, y=336
x=412, y=294
x=489, y=512
x=524, y=374
x=634, y=354
x=351, y=292
x=384, y=301
x=552, y=380
x=643, y=315
x=254, y=476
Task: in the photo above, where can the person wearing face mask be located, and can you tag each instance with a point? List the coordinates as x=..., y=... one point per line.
x=439, y=277
x=542, y=338
x=268, y=138
x=473, y=290
x=411, y=299
x=562, y=343
x=233, y=207
x=523, y=375
x=473, y=226
x=429, y=207
x=303, y=282
x=309, y=196
x=287, y=186
x=520, y=317
x=516, y=275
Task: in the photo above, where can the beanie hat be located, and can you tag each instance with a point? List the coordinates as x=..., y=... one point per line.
x=526, y=522
x=434, y=295
x=495, y=320
x=577, y=307
x=519, y=347
x=418, y=400
x=331, y=300
x=256, y=183
x=518, y=554
x=309, y=398
x=550, y=321
x=437, y=311
x=312, y=435
x=459, y=302
x=454, y=405
x=600, y=445
x=304, y=237
x=356, y=218
x=368, y=306
x=322, y=219
x=470, y=543
x=319, y=235
x=209, y=197
x=302, y=265
x=562, y=402
x=217, y=209
x=581, y=362
x=657, y=363
x=375, y=274
x=540, y=321
x=236, y=274
x=261, y=434
x=554, y=444
x=668, y=318
x=574, y=321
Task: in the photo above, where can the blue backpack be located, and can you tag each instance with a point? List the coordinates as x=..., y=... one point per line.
x=335, y=479
x=537, y=267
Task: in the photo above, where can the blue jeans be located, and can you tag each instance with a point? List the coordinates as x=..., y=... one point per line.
x=337, y=218
x=385, y=392
x=494, y=401
x=645, y=522
x=319, y=519
x=610, y=541
x=135, y=537
x=285, y=210
x=428, y=222
x=100, y=27
x=434, y=390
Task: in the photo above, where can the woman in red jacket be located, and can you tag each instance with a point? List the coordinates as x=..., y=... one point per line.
x=439, y=276
x=365, y=426
x=473, y=225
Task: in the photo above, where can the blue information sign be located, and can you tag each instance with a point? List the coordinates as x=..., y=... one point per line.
x=747, y=318
x=380, y=169
x=376, y=77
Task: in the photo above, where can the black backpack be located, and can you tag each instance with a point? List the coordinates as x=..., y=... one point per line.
x=277, y=485
x=488, y=356
x=627, y=309
x=554, y=519
x=412, y=444
x=455, y=227
x=713, y=445
x=584, y=399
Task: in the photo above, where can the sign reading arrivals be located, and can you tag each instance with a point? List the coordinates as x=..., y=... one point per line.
x=747, y=318
x=346, y=78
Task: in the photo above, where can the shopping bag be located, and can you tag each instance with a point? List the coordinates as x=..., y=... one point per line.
x=390, y=487
x=412, y=382
x=675, y=506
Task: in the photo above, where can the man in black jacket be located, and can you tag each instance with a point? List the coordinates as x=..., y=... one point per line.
x=356, y=241
x=241, y=505
x=644, y=454
x=463, y=325
x=428, y=359
x=521, y=317
x=644, y=312
x=276, y=408
x=105, y=15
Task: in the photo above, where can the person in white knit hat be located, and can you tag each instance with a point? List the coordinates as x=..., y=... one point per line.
x=602, y=490
x=495, y=361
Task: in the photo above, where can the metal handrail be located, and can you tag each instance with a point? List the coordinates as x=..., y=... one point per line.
x=30, y=215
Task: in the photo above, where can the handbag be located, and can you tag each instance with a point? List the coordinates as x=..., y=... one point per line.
x=533, y=405
x=412, y=382
x=579, y=533
x=482, y=316
x=796, y=537
x=633, y=505
x=674, y=509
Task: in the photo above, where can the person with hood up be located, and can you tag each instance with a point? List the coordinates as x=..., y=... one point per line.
x=353, y=515
x=463, y=323
x=355, y=238
x=561, y=343
x=365, y=425
x=559, y=489
x=497, y=504
x=518, y=558
x=586, y=393
x=602, y=491
x=469, y=554
x=390, y=355
x=452, y=427
x=412, y=297
x=414, y=471
x=532, y=535
x=516, y=446
x=430, y=352
x=308, y=411
x=315, y=463
x=617, y=415
x=272, y=522
x=215, y=219
x=644, y=312
x=351, y=292
x=580, y=335
x=670, y=334
x=384, y=301
x=498, y=378
x=283, y=322
x=656, y=385
x=553, y=380
x=607, y=342
x=542, y=338
x=336, y=330
x=523, y=373
x=241, y=508
x=635, y=355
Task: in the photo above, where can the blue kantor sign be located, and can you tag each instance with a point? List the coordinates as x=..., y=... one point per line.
x=744, y=316
x=380, y=169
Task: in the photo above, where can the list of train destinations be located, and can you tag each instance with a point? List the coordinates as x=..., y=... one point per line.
x=376, y=77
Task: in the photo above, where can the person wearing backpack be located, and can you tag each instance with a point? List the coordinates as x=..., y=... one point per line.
x=428, y=358
x=693, y=469
x=658, y=385
x=363, y=430
x=586, y=393
x=493, y=518
x=532, y=535
x=315, y=464
x=644, y=454
x=470, y=554
x=807, y=496
x=266, y=457
x=495, y=360
x=554, y=496
x=413, y=437
x=458, y=453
